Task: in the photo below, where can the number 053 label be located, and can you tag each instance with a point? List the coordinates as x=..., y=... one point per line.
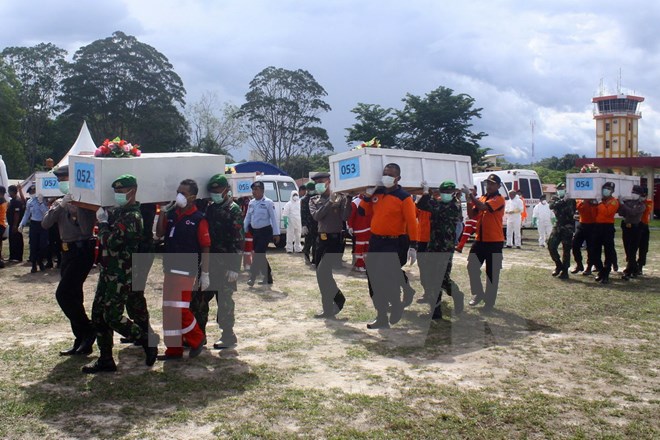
x=349, y=168
x=84, y=175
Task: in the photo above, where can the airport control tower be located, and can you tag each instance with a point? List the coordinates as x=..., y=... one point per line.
x=616, y=125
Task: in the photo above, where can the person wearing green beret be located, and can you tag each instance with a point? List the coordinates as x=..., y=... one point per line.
x=562, y=231
x=120, y=234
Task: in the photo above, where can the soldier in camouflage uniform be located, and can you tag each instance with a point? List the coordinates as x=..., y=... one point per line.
x=309, y=225
x=225, y=221
x=562, y=232
x=120, y=234
x=445, y=213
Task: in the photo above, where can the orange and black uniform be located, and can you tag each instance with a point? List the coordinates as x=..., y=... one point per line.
x=644, y=235
x=603, y=236
x=393, y=229
x=423, y=238
x=584, y=230
x=487, y=247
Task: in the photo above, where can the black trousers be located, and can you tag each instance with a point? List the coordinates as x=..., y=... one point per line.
x=384, y=273
x=309, y=248
x=15, y=245
x=74, y=268
x=583, y=232
x=329, y=253
x=630, y=233
x=261, y=238
x=644, y=236
x=603, y=239
x=491, y=254
x=38, y=242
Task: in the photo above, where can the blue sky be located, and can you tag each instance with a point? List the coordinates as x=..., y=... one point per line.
x=520, y=60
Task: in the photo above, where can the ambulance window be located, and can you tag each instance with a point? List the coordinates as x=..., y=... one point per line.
x=508, y=185
x=269, y=190
x=286, y=188
x=524, y=188
x=536, y=188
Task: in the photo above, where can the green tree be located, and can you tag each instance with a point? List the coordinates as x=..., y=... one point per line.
x=214, y=127
x=300, y=166
x=126, y=88
x=282, y=113
x=11, y=113
x=39, y=70
x=373, y=121
x=440, y=122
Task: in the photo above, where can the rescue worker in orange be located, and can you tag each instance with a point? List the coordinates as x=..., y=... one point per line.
x=583, y=232
x=603, y=238
x=644, y=232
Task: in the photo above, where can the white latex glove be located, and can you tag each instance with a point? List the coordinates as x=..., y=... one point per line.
x=40, y=198
x=204, y=281
x=305, y=230
x=169, y=206
x=465, y=190
x=102, y=215
x=232, y=276
x=350, y=231
x=412, y=255
x=65, y=200
x=425, y=186
x=370, y=191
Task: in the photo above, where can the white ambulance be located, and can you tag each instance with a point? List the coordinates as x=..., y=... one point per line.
x=525, y=181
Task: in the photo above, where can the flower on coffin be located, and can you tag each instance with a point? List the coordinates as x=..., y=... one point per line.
x=373, y=143
x=117, y=148
x=589, y=168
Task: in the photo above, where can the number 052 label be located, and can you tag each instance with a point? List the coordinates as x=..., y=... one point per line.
x=349, y=168
x=84, y=175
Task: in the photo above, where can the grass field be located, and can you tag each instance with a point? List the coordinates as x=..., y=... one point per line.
x=557, y=359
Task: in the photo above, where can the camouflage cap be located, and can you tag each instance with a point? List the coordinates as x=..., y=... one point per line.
x=447, y=185
x=561, y=185
x=217, y=181
x=124, y=181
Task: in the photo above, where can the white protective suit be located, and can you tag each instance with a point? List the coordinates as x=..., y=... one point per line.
x=543, y=217
x=513, y=210
x=294, y=225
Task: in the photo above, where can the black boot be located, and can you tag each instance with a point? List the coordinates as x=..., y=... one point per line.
x=556, y=272
x=228, y=340
x=86, y=345
x=380, y=322
x=71, y=351
x=101, y=365
x=563, y=275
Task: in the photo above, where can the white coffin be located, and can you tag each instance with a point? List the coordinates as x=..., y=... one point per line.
x=357, y=170
x=241, y=183
x=47, y=184
x=589, y=185
x=158, y=175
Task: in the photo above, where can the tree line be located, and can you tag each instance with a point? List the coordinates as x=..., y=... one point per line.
x=123, y=87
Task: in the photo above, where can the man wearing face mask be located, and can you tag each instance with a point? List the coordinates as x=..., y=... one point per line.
x=562, y=233
x=603, y=238
x=393, y=227
x=583, y=233
x=444, y=215
x=76, y=227
x=225, y=220
x=261, y=220
x=542, y=220
x=631, y=209
x=309, y=225
x=293, y=223
x=120, y=234
x=35, y=209
x=330, y=211
x=187, y=239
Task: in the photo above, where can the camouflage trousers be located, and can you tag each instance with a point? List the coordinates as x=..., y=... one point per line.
x=112, y=297
x=223, y=292
x=438, y=265
x=561, y=235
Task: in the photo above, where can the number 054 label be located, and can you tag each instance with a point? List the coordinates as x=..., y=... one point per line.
x=583, y=184
x=84, y=175
x=349, y=168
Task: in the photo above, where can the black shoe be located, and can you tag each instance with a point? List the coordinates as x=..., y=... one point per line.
x=224, y=342
x=625, y=277
x=49, y=265
x=151, y=353
x=578, y=268
x=250, y=282
x=86, y=345
x=34, y=269
x=586, y=273
x=563, y=275
x=71, y=351
x=42, y=267
x=556, y=272
x=194, y=352
x=378, y=323
x=475, y=301
x=459, y=302
x=100, y=366
x=169, y=357
x=604, y=280
x=488, y=309
x=508, y=247
x=599, y=278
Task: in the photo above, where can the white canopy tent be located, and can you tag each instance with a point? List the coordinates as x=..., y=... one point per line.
x=83, y=145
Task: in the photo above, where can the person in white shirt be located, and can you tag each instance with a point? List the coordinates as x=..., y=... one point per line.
x=513, y=210
x=542, y=218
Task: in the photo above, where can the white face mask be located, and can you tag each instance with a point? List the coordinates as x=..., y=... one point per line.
x=388, y=181
x=295, y=198
x=635, y=196
x=181, y=200
x=543, y=202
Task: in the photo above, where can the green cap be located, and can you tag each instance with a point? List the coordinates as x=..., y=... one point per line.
x=311, y=186
x=124, y=181
x=217, y=181
x=561, y=185
x=447, y=185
